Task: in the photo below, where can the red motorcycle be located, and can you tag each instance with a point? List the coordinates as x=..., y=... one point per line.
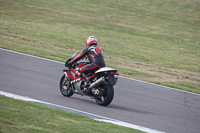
x=100, y=87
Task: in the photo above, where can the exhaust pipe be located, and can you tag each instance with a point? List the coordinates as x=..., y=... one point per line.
x=97, y=83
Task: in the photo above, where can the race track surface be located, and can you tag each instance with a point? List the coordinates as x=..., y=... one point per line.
x=148, y=105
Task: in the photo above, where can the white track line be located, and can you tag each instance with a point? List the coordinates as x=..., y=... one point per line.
x=95, y=117
x=119, y=76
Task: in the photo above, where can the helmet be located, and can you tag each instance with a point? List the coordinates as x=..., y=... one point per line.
x=91, y=40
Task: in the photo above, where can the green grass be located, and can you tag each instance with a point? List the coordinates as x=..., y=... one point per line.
x=20, y=116
x=184, y=85
x=156, y=41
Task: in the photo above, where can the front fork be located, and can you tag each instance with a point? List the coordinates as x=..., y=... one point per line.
x=66, y=79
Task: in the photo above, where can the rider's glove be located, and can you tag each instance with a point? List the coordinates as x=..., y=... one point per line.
x=69, y=64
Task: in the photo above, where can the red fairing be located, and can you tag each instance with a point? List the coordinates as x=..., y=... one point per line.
x=69, y=75
x=76, y=74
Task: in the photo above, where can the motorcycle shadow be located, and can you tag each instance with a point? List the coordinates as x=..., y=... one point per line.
x=83, y=100
x=129, y=109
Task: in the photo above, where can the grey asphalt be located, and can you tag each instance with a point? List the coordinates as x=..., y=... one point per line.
x=148, y=105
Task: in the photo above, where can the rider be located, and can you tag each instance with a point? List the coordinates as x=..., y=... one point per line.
x=95, y=56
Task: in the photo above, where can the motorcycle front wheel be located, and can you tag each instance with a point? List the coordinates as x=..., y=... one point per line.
x=65, y=87
x=106, y=95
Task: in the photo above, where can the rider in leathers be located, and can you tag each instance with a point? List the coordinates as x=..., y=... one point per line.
x=95, y=56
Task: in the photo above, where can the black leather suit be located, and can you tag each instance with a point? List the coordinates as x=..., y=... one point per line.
x=95, y=56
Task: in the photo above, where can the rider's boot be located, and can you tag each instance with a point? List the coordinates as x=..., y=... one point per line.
x=87, y=83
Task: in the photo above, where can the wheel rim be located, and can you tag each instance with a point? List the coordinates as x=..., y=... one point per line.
x=65, y=89
x=102, y=97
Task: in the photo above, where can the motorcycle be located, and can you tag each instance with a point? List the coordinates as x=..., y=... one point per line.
x=100, y=86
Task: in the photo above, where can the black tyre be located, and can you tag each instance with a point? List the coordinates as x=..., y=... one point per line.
x=65, y=87
x=106, y=95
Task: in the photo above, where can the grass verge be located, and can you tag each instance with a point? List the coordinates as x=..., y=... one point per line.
x=21, y=116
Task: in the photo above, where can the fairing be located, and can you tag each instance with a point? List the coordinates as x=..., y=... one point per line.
x=105, y=69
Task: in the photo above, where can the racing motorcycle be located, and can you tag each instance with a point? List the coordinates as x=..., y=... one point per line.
x=100, y=86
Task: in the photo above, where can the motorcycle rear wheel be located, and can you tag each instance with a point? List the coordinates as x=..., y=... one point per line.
x=64, y=88
x=106, y=97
